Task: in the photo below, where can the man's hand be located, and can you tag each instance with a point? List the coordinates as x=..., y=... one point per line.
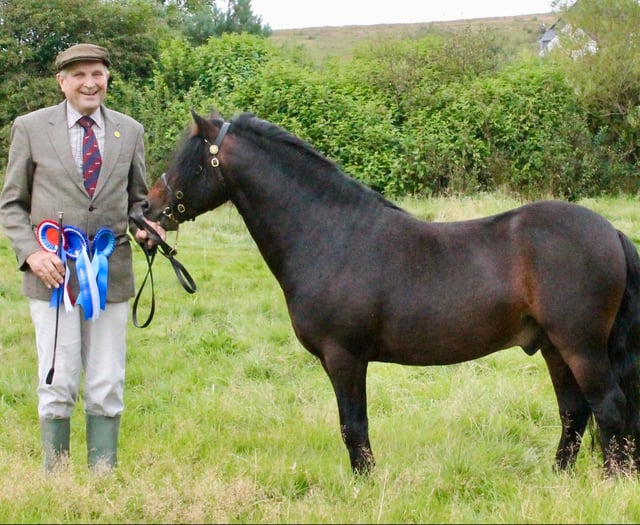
x=143, y=237
x=48, y=267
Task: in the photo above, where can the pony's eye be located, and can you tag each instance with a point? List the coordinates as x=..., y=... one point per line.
x=198, y=170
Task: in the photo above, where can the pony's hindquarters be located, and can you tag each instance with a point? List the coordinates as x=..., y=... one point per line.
x=584, y=292
x=606, y=387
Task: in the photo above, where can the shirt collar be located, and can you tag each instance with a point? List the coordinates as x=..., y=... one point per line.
x=73, y=116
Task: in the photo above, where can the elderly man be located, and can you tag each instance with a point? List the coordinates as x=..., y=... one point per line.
x=77, y=169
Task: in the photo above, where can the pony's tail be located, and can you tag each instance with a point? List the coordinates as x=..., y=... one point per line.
x=624, y=346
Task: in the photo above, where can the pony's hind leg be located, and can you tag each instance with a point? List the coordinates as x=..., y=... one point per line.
x=608, y=404
x=609, y=413
x=582, y=370
x=348, y=377
x=573, y=407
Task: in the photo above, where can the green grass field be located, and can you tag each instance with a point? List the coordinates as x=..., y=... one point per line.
x=229, y=420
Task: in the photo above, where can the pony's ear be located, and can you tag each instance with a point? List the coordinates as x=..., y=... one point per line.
x=196, y=117
x=214, y=115
x=199, y=121
x=202, y=127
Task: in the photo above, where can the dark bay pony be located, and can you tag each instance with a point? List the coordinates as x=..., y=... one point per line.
x=366, y=281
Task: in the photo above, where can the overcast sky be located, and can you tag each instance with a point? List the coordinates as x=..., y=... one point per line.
x=291, y=14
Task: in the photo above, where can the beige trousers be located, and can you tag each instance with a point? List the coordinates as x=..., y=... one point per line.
x=97, y=348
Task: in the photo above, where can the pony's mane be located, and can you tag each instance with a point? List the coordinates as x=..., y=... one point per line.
x=267, y=131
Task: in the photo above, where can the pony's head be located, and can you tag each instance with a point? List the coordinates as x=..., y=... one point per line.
x=194, y=183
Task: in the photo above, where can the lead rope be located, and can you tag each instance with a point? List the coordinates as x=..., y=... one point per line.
x=150, y=253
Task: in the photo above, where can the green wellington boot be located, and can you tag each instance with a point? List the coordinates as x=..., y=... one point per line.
x=55, y=442
x=102, y=442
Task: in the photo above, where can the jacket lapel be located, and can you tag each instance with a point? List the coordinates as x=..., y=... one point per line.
x=61, y=145
x=113, y=137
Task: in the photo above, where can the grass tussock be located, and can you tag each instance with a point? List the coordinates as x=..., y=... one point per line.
x=229, y=420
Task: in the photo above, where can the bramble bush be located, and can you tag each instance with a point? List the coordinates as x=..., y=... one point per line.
x=519, y=130
x=417, y=128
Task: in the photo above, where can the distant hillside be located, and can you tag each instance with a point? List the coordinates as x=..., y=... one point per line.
x=518, y=33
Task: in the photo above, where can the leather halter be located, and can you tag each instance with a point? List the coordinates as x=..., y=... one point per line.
x=177, y=209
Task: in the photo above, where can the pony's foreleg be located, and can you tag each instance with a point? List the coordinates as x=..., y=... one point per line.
x=349, y=377
x=573, y=407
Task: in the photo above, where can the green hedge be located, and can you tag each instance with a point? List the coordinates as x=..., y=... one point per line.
x=398, y=117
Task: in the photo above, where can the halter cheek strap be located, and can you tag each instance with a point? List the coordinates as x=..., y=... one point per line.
x=214, y=148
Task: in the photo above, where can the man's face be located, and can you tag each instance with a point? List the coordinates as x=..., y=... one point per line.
x=84, y=85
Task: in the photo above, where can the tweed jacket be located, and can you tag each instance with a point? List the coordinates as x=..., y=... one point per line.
x=42, y=179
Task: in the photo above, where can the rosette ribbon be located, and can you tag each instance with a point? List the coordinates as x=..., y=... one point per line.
x=88, y=295
x=48, y=235
x=103, y=245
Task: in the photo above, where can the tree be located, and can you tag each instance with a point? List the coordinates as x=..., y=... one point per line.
x=36, y=31
x=203, y=22
x=239, y=18
x=206, y=19
x=600, y=52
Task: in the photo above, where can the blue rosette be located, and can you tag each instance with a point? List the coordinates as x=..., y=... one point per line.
x=104, y=243
x=75, y=242
x=77, y=249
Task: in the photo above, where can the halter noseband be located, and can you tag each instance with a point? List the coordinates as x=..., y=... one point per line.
x=177, y=207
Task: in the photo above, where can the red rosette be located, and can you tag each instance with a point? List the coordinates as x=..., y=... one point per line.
x=48, y=234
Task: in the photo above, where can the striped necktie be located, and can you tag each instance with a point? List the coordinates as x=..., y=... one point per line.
x=91, y=159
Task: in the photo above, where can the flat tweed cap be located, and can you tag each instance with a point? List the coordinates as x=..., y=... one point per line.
x=82, y=52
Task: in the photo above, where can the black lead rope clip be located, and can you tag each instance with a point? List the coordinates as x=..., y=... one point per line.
x=167, y=251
